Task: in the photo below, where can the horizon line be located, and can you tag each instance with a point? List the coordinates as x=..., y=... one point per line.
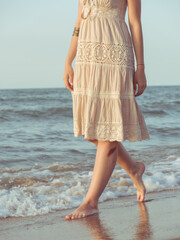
x=66, y=88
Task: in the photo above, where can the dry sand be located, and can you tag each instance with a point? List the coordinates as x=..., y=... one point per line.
x=158, y=218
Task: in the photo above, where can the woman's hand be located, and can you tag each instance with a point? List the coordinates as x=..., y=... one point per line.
x=68, y=76
x=139, y=80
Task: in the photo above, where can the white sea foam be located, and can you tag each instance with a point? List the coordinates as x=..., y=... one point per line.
x=42, y=190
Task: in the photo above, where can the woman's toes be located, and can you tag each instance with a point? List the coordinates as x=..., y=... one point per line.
x=81, y=215
x=75, y=216
x=139, y=196
x=142, y=199
x=68, y=217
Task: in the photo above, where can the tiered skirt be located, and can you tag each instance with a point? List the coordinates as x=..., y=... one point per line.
x=104, y=105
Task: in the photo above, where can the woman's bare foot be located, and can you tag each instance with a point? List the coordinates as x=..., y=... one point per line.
x=83, y=211
x=137, y=180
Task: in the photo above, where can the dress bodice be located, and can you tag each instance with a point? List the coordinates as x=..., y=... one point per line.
x=96, y=7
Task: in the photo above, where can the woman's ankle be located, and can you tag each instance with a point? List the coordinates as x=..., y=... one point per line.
x=134, y=169
x=91, y=203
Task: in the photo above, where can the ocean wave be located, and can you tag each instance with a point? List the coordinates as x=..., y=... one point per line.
x=164, y=130
x=55, y=167
x=42, y=190
x=155, y=112
x=9, y=114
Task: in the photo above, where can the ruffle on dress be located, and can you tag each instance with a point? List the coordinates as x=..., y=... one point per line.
x=106, y=109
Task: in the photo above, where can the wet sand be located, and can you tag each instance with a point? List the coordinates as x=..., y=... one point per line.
x=123, y=218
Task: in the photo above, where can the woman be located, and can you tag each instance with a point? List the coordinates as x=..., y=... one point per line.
x=103, y=87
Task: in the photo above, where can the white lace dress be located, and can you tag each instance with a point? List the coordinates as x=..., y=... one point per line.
x=104, y=106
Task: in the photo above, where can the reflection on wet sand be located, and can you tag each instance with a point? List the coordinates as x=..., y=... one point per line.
x=143, y=227
x=98, y=228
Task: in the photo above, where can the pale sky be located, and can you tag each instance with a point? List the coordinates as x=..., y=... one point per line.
x=35, y=37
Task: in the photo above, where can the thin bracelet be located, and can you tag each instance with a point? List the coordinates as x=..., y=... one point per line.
x=140, y=66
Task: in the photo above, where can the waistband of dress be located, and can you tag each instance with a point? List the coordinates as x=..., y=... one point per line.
x=94, y=11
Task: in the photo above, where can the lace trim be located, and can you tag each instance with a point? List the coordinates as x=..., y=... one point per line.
x=112, y=131
x=97, y=11
x=99, y=52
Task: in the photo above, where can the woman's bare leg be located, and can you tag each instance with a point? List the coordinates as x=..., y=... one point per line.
x=134, y=169
x=106, y=157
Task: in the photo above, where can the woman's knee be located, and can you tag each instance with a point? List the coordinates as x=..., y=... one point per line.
x=109, y=143
x=111, y=146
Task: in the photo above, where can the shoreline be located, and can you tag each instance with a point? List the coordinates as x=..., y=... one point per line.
x=122, y=218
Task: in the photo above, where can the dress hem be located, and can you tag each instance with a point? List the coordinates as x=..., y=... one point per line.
x=113, y=139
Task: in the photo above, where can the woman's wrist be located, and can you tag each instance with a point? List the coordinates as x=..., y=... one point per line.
x=68, y=62
x=140, y=66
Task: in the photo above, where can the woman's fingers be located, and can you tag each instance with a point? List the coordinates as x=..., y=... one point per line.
x=67, y=83
x=140, y=80
x=134, y=86
x=71, y=80
x=68, y=77
x=140, y=90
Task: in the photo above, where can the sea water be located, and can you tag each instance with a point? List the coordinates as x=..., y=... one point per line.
x=44, y=168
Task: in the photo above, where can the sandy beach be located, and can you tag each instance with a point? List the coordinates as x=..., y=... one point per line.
x=122, y=218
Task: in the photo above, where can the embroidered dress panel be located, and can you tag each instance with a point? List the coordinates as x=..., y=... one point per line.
x=99, y=52
x=104, y=105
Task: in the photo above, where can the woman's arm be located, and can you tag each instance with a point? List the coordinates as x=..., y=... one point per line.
x=134, y=18
x=68, y=70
